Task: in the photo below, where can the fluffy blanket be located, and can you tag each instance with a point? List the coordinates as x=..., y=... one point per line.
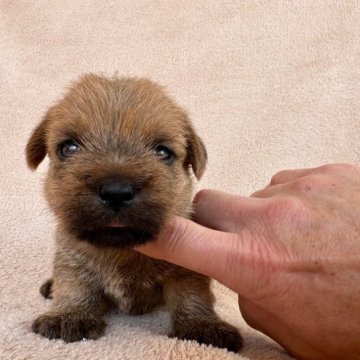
x=269, y=85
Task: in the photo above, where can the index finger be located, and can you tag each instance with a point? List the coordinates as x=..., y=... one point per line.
x=225, y=212
x=238, y=261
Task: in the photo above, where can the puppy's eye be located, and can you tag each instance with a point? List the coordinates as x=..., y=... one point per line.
x=68, y=148
x=164, y=153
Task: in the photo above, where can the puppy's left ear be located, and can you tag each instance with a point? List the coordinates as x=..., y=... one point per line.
x=196, y=154
x=36, y=147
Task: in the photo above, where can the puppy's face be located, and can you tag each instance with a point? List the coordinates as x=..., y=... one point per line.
x=120, y=155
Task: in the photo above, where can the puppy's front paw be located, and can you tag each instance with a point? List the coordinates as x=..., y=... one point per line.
x=215, y=333
x=69, y=326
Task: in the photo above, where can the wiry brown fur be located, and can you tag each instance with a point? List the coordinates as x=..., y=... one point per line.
x=117, y=122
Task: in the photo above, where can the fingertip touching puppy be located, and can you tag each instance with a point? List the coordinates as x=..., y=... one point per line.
x=121, y=153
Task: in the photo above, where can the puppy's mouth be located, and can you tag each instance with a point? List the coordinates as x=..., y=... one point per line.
x=116, y=234
x=129, y=227
x=117, y=224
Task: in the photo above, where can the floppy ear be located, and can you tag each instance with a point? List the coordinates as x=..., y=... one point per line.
x=36, y=147
x=196, y=154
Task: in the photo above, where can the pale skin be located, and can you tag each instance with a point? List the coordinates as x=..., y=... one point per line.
x=290, y=251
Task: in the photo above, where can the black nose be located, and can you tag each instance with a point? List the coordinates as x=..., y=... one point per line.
x=116, y=195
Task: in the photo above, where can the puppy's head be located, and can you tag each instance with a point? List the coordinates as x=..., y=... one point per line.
x=120, y=156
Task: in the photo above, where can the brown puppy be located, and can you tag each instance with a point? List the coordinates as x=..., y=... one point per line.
x=120, y=156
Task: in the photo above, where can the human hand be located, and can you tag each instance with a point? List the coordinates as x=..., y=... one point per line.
x=291, y=252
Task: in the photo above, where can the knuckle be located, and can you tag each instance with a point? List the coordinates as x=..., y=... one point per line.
x=339, y=167
x=328, y=168
x=278, y=178
x=287, y=208
x=349, y=168
x=306, y=183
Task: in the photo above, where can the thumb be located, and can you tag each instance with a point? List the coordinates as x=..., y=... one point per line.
x=226, y=257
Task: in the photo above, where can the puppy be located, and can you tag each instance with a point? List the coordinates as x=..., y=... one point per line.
x=120, y=154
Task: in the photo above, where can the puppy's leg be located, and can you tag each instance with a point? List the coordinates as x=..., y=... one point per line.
x=46, y=289
x=193, y=318
x=78, y=308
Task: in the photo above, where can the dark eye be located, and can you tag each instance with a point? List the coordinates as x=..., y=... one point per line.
x=164, y=153
x=68, y=148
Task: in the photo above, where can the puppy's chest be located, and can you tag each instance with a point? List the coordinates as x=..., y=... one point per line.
x=128, y=286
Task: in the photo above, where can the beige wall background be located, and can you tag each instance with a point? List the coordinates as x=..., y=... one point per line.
x=269, y=85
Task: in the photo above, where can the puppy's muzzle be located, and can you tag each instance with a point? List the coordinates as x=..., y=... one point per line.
x=117, y=195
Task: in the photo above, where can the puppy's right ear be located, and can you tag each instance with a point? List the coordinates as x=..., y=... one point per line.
x=36, y=147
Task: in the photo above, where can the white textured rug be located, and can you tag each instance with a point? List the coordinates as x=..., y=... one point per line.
x=269, y=85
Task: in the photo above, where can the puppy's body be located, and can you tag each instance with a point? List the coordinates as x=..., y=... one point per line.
x=120, y=152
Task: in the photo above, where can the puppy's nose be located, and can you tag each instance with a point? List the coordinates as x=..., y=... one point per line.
x=116, y=195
